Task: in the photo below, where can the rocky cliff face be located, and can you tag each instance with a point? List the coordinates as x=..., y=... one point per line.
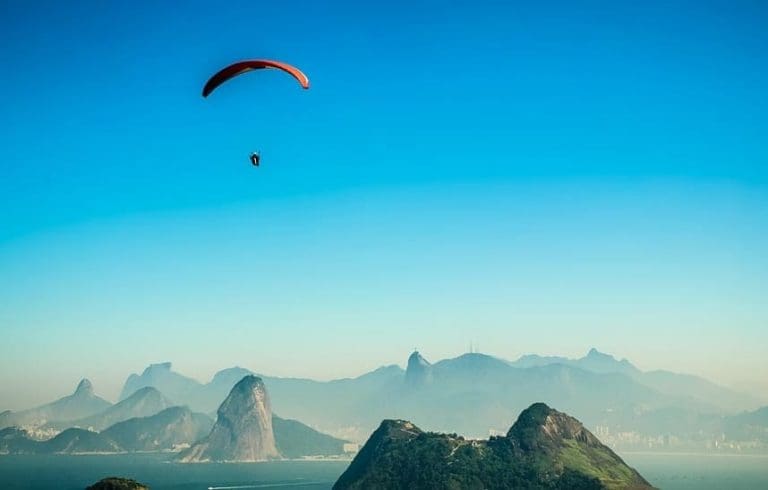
x=84, y=388
x=243, y=429
x=419, y=370
x=540, y=427
x=544, y=449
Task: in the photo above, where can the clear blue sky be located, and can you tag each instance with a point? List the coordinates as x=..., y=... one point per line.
x=530, y=178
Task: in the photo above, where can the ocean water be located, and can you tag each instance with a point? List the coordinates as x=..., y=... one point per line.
x=701, y=471
x=668, y=472
x=61, y=472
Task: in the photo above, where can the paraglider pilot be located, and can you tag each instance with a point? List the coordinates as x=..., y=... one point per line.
x=241, y=67
x=255, y=159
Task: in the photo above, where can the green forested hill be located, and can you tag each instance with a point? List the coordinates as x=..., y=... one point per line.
x=544, y=449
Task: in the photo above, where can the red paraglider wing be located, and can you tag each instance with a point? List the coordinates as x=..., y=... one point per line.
x=241, y=67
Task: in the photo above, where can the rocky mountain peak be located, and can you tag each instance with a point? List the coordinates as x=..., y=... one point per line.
x=419, y=370
x=596, y=354
x=539, y=426
x=84, y=388
x=243, y=429
x=397, y=429
x=249, y=385
x=416, y=359
x=601, y=362
x=157, y=368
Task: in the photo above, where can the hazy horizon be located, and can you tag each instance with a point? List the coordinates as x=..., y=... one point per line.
x=109, y=387
x=529, y=178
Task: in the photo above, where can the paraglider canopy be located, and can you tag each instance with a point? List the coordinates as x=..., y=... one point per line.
x=241, y=67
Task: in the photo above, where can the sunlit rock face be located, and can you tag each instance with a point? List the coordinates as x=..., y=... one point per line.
x=243, y=429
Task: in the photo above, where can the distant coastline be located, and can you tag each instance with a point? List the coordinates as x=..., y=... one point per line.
x=683, y=453
x=322, y=459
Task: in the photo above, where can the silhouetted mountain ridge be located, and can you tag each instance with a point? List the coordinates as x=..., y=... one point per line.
x=172, y=427
x=472, y=393
x=695, y=388
x=82, y=403
x=144, y=402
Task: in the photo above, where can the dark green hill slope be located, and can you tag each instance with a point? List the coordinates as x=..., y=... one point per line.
x=544, y=449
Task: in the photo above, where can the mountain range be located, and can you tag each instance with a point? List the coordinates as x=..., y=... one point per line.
x=473, y=393
x=166, y=430
x=198, y=396
x=80, y=404
x=245, y=430
x=142, y=403
x=685, y=385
